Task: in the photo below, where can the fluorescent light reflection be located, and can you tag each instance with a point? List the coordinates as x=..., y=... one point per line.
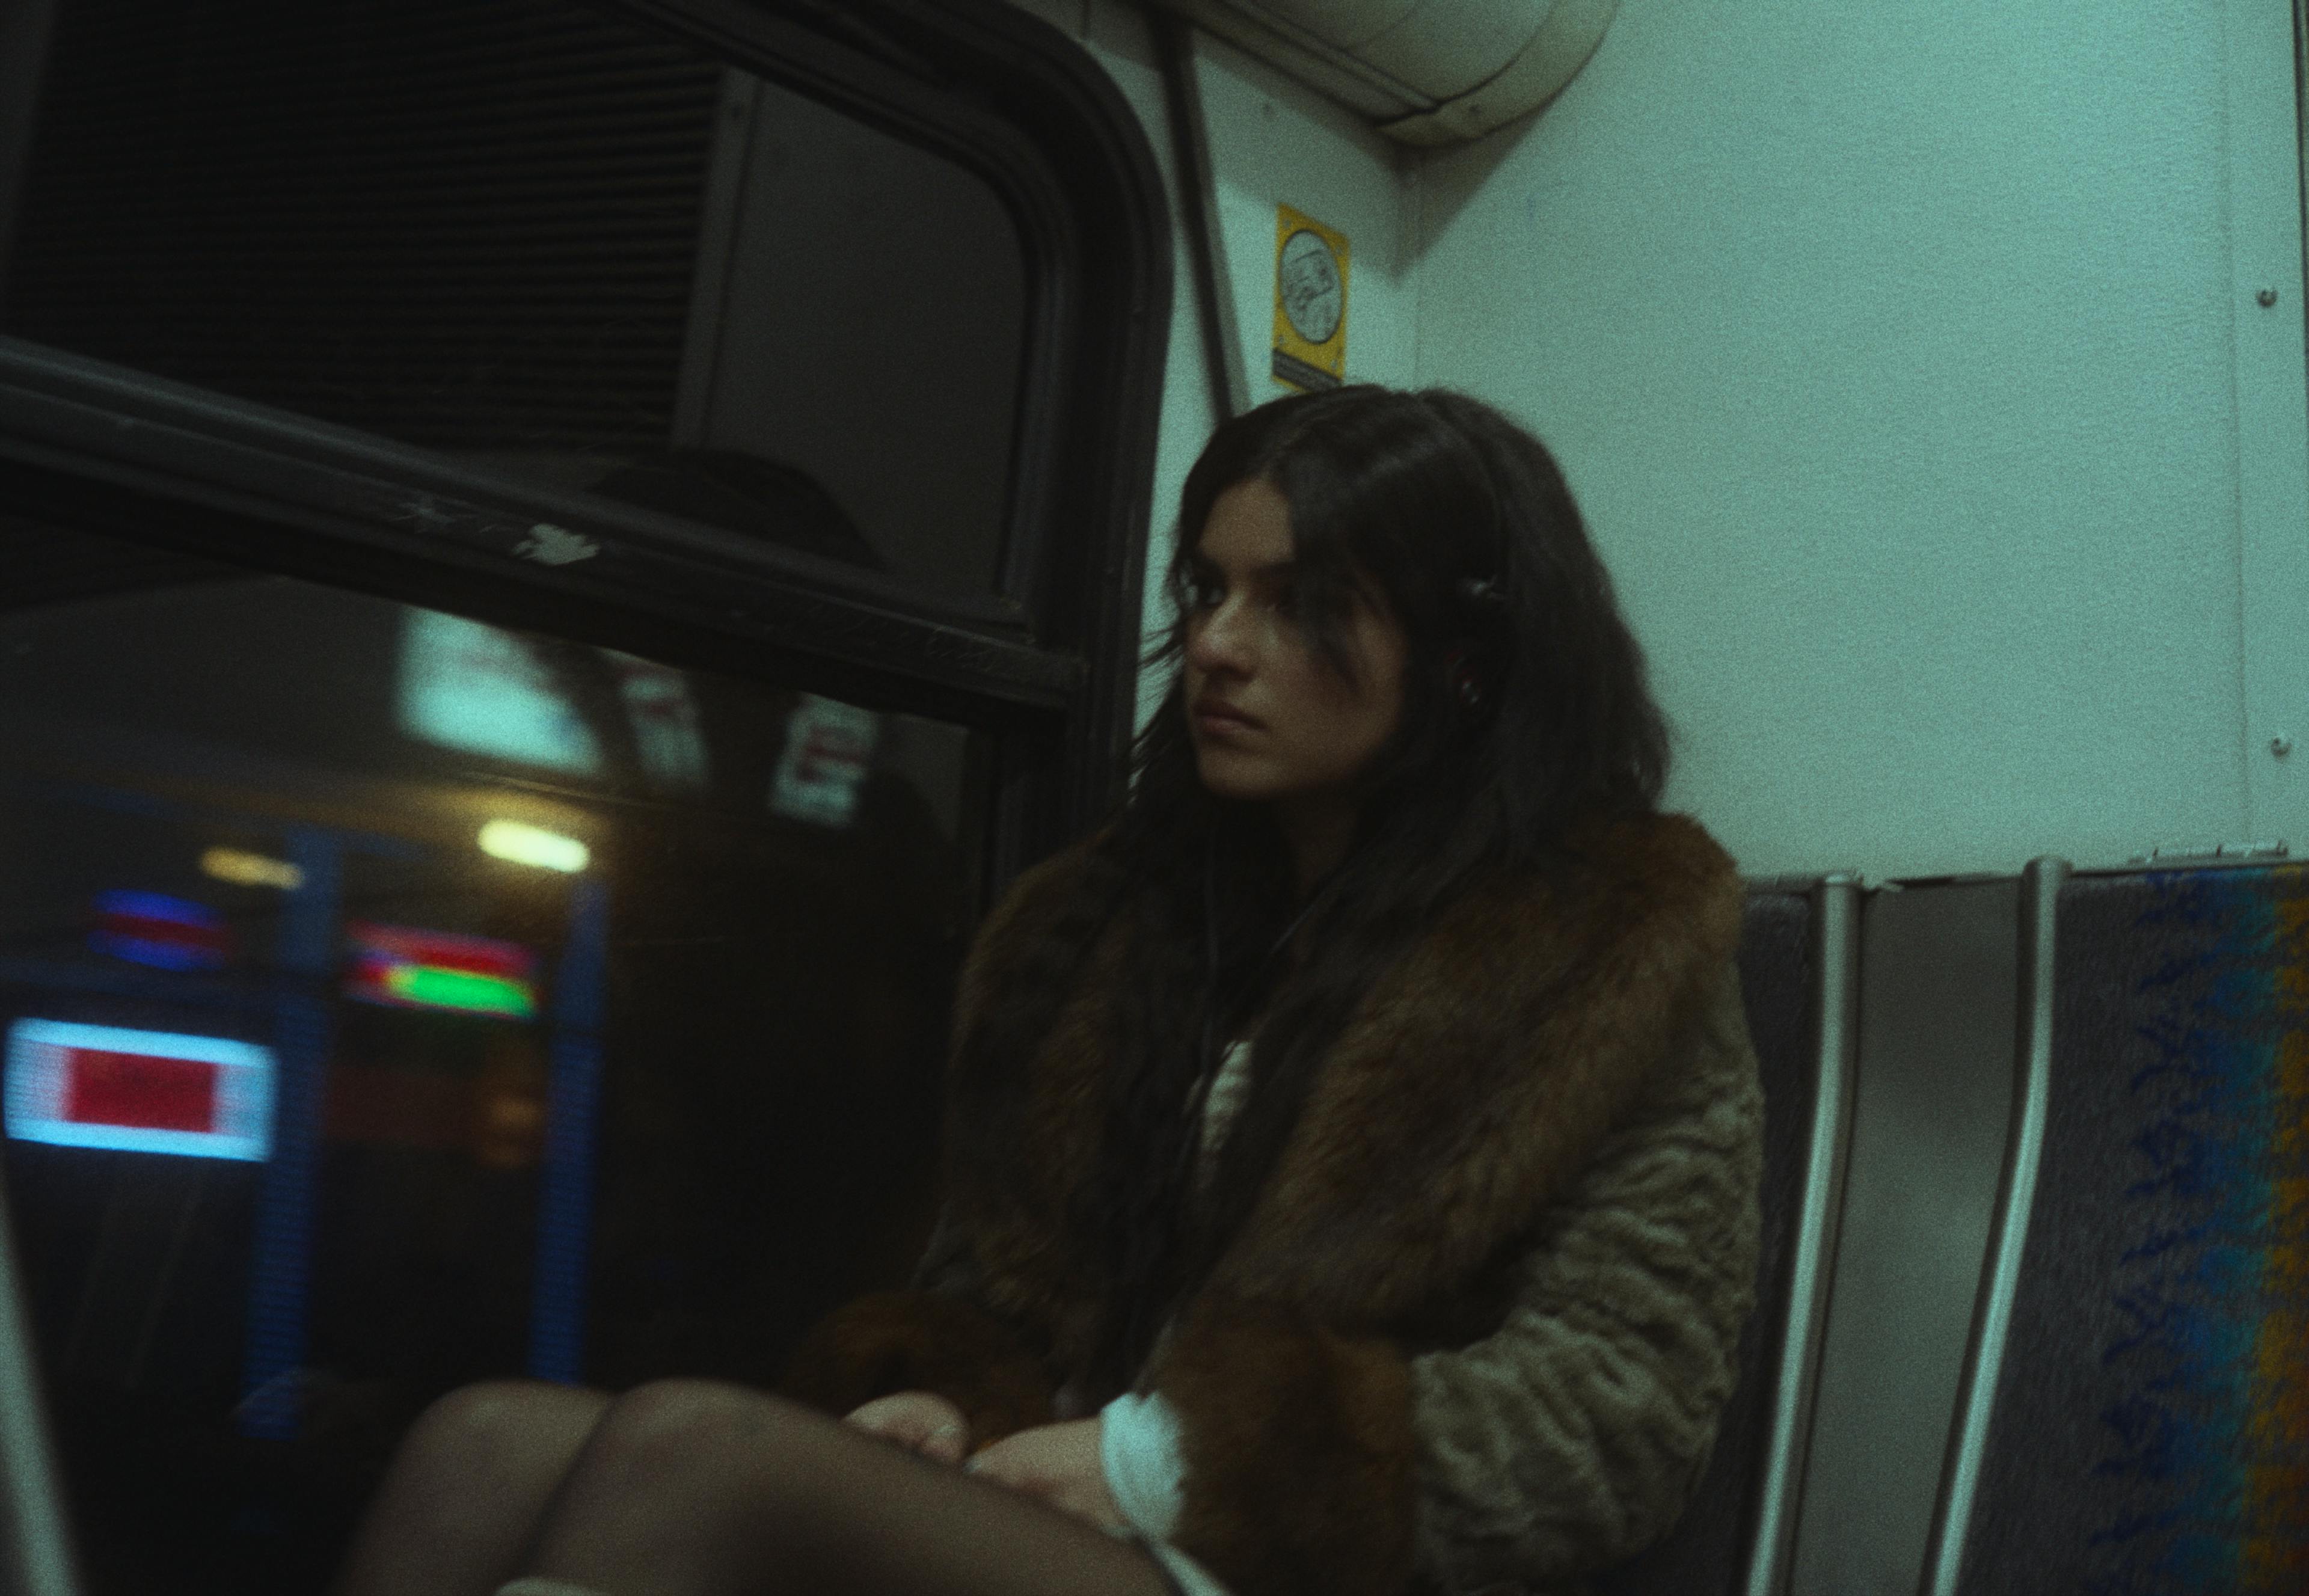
x=533, y=845
x=482, y=688
x=471, y=686
x=244, y=869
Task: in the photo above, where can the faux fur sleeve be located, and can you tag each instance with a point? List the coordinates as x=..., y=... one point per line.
x=1573, y=1436
x=1297, y=1442
x=935, y=1337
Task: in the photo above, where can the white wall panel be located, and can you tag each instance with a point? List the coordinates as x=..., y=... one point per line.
x=1891, y=355
x=1911, y=370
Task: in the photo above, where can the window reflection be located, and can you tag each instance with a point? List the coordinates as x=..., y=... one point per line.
x=594, y=1009
x=478, y=688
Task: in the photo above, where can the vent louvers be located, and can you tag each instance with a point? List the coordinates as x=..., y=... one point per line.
x=470, y=226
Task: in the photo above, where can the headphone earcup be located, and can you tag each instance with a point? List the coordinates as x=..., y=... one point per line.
x=1464, y=674
x=1479, y=661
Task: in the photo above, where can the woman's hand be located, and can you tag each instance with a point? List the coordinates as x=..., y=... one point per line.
x=1057, y=1463
x=918, y=1420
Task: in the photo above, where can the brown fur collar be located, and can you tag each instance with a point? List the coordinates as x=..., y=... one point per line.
x=1472, y=1085
x=1473, y=1082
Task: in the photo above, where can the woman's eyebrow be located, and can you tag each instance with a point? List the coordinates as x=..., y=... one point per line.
x=1202, y=565
x=1280, y=571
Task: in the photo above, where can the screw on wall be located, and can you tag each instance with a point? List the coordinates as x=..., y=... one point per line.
x=2267, y=297
x=2281, y=745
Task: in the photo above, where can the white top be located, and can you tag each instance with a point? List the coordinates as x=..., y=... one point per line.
x=1138, y=1436
x=1221, y=1105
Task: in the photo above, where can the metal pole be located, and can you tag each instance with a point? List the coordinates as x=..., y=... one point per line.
x=36, y=1556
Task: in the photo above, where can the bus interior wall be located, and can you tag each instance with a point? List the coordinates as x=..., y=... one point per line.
x=1934, y=390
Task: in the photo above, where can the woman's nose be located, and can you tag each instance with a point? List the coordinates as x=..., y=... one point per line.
x=1216, y=641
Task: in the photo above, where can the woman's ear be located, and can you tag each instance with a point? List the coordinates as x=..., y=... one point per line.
x=1463, y=673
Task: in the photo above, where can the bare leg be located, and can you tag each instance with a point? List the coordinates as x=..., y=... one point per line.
x=692, y=1488
x=469, y=1490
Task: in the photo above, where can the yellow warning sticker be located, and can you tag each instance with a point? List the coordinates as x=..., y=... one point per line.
x=1311, y=302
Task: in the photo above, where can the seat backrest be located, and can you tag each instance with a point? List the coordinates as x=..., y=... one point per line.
x=2149, y=1431
x=1781, y=978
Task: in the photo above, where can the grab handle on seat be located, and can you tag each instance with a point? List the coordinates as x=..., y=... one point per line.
x=1835, y=1026
x=2040, y=895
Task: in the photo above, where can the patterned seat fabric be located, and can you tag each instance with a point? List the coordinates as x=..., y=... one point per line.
x=2151, y=1426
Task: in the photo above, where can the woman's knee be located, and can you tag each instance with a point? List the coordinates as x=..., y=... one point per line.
x=472, y=1477
x=684, y=1415
x=503, y=1430
x=674, y=1433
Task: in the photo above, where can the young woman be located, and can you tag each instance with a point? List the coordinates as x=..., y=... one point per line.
x=1351, y=1152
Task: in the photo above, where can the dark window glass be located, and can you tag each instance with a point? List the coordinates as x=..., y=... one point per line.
x=392, y=1001
x=528, y=235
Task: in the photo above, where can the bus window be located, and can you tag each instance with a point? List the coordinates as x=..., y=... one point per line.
x=548, y=575
x=391, y=1000
x=540, y=239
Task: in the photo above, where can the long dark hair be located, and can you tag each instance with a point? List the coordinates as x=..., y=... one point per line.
x=1525, y=708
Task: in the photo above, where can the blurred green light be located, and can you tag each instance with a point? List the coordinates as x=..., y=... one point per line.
x=462, y=989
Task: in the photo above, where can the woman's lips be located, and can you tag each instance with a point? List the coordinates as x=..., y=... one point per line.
x=1217, y=716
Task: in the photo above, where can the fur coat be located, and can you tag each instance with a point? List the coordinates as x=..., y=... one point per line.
x=1476, y=1330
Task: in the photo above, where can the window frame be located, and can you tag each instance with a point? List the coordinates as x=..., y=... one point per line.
x=1047, y=664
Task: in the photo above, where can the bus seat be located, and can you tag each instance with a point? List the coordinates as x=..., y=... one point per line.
x=1798, y=975
x=2141, y=1423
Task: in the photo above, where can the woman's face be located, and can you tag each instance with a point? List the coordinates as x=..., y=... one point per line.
x=1271, y=720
